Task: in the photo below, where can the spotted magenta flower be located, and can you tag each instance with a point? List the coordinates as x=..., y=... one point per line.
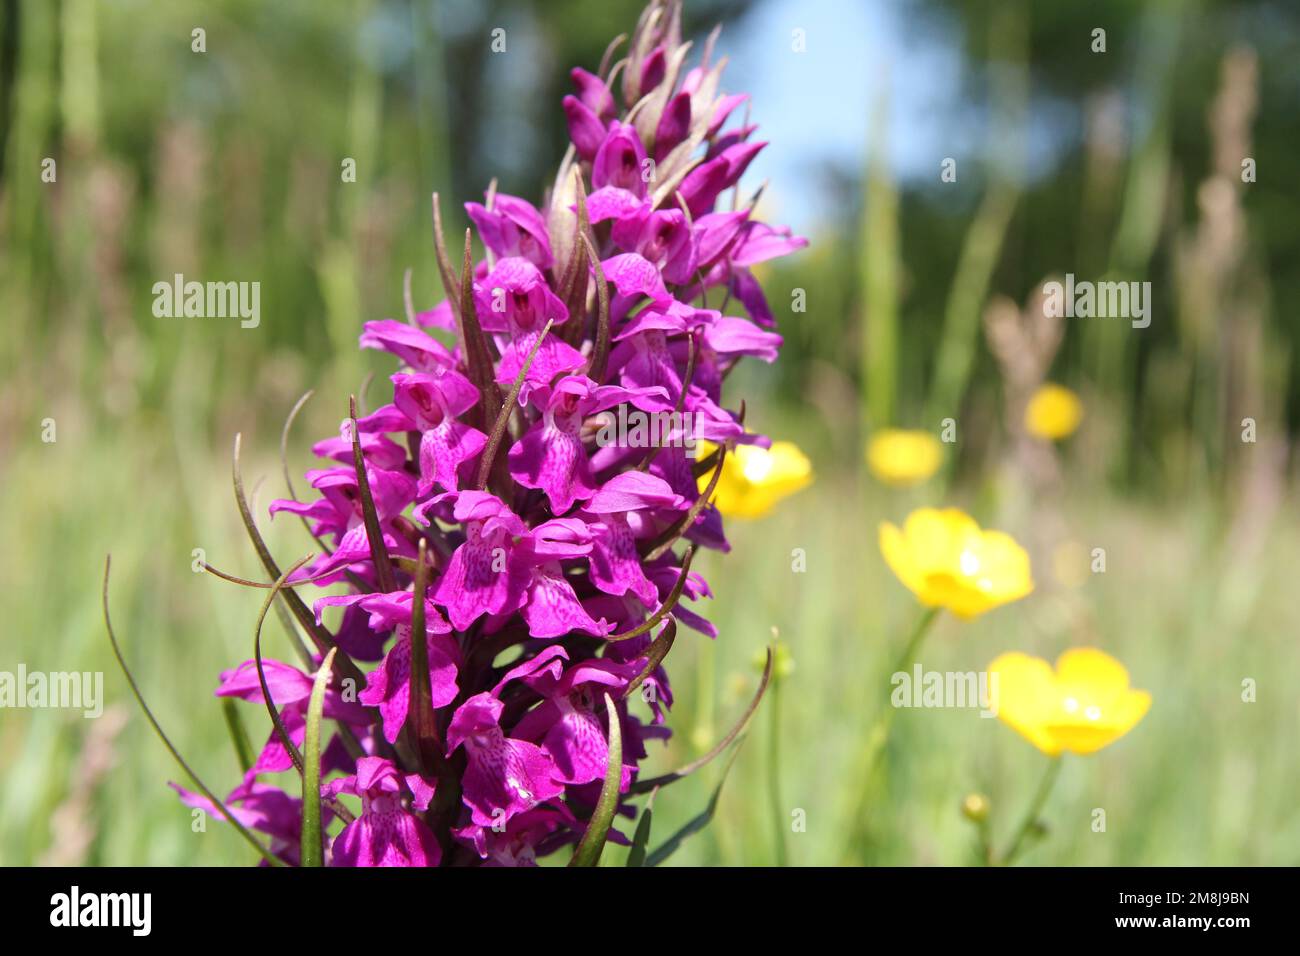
x=388, y=832
x=903, y=457
x=1053, y=412
x=948, y=561
x=504, y=569
x=1083, y=705
x=755, y=478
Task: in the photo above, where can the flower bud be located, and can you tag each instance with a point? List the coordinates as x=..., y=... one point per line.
x=975, y=807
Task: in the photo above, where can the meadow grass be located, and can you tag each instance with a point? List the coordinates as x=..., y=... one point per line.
x=1205, y=778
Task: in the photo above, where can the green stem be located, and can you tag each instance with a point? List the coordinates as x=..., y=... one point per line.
x=774, y=771
x=878, y=736
x=914, y=641
x=1044, y=789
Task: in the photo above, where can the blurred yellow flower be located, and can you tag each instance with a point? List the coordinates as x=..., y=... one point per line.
x=1082, y=706
x=1054, y=412
x=903, y=457
x=948, y=561
x=754, y=479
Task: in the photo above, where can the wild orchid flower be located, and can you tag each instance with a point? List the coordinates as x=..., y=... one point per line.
x=479, y=517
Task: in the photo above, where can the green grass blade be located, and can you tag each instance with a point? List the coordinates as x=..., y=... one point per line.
x=641, y=839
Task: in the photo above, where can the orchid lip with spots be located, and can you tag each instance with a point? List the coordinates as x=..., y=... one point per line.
x=548, y=569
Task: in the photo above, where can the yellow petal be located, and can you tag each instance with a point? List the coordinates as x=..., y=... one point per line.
x=944, y=558
x=1023, y=693
x=893, y=546
x=1082, y=706
x=754, y=479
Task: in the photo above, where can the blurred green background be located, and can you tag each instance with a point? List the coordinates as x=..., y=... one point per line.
x=1125, y=164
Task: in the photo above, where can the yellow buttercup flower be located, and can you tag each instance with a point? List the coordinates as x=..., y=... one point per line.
x=1082, y=706
x=903, y=457
x=754, y=479
x=948, y=561
x=1053, y=412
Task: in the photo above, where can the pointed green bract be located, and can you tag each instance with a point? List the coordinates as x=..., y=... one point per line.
x=374, y=533
x=294, y=754
x=420, y=717
x=600, y=352
x=593, y=841
x=312, y=847
x=655, y=655
x=660, y=545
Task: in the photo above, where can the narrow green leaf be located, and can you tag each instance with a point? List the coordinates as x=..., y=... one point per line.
x=135, y=690
x=640, y=839
x=593, y=841
x=697, y=823
x=313, y=852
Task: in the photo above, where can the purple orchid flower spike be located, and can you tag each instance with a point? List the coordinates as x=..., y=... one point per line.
x=421, y=351
x=594, y=94
x=503, y=776
x=621, y=161
x=483, y=576
x=544, y=531
x=290, y=689
x=551, y=607
x=447, y=445
x=388, y=686
x=386, y=833
x=516, y=844
x=568, y=722
x=512, y=227
x=625, y=506
x=392, y=491
x=550, y=455
x=514, y=298
x=380, y=450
